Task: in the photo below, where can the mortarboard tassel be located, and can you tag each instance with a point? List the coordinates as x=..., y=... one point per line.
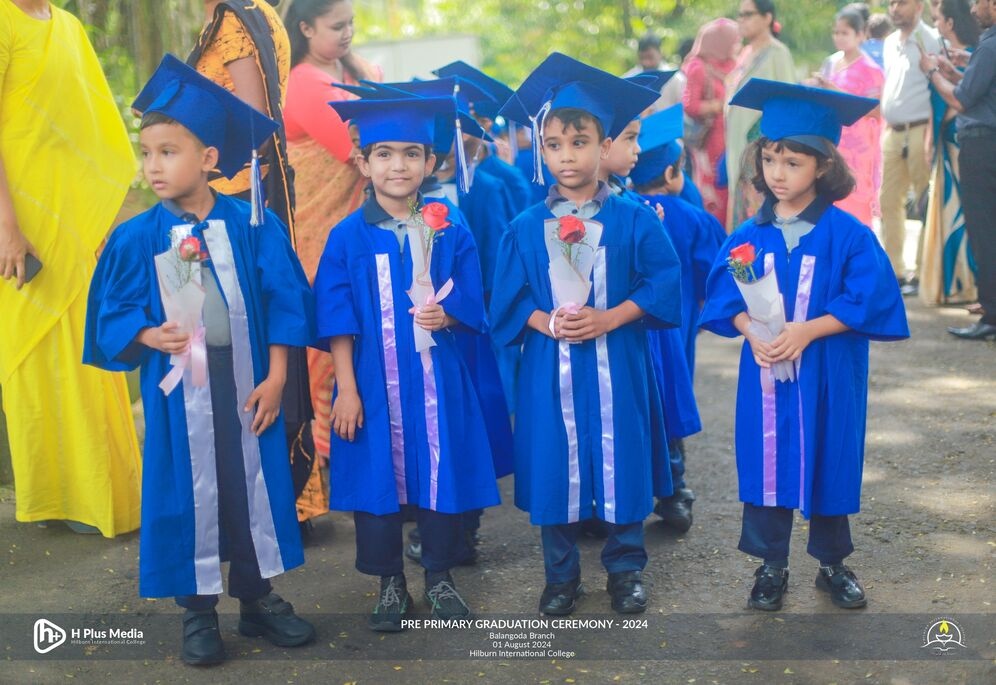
x=538, y=121
x=463, y=169
x=255, y=191
x=513, y=139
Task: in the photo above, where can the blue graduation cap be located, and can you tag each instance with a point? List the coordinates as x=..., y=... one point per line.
x=466, y=92
x=400, y=119
x=215, y=116
x=807, y=115
x=499, y=92
x=654, y=79
x=660, y=144
x=561, y=81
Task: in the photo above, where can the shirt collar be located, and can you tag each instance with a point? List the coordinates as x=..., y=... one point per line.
x=811, y=214
x=988, y=33
x=173, y=208
x=601, y=195
x=373, y=213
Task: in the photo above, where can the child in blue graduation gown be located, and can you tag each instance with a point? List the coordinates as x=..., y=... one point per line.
x=671, y=374
x=584, y=408
x=216, y=481
x=800, y=444
x=407, y=424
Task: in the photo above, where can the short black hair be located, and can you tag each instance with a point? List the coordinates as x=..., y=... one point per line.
x=879, y=26
x=835, y=183
x=676, y=168
x=575, y=117
x=156, y=118
x=367, y=149
x=649, y=41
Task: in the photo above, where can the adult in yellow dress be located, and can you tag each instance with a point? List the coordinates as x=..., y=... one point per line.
x=65, y=166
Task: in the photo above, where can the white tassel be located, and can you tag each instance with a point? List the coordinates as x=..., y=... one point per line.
x=255, y=192
x=462, y=170
x=513, y=139
x=537, y=122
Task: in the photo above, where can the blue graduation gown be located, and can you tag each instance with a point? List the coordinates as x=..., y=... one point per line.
x=260, y=275
x=360, y=288
x=813, y=457
x=524, y=163
x=479, y=356
x=511, y=177
x=586, y=412
x=490, y=207
x=696, y=236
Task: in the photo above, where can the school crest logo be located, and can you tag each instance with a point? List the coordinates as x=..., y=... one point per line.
x=942, y=636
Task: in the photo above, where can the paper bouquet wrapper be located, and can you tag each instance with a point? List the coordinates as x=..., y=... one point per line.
x=766, y=308
x=570, y=289
x=571, y=282
x=183, y=300
x=422, y=292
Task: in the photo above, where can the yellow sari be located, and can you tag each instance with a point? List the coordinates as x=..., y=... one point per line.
x=68, y=162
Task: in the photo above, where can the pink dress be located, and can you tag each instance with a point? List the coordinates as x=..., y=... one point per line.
x=859, y=144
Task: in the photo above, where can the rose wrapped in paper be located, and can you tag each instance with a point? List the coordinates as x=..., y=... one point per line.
x=178, y=271
x=765, y=304
x=425, y=226
x=569, y=244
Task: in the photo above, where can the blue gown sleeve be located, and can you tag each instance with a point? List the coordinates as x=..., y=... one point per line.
x=708, y=239
x=723, y=300
x=656, y=285
x=335, y=307
x=465, y=303
x=119, y=305
x=870, y=303
x=288, y=303
x=512, y=301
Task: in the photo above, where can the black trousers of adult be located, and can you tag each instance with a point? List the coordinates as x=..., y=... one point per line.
x=379, y=543
x=977, y=174
x=244, y=579
x=766, y=532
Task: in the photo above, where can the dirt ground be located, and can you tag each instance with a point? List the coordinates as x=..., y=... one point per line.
x=925, y=543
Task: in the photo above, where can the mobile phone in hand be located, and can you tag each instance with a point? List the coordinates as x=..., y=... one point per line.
x=31, y=267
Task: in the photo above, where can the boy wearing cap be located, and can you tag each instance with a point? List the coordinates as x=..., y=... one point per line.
x=408, y=429
x=579, y=280
x=216, y=482
x=800, y=441
x=673, y=377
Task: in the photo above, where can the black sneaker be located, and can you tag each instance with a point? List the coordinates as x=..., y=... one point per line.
x=845, y=590
x=444, y=599
x=202, y=645
x=769, y=588
x=273, y=618
x=676, y=510
x=392, y=605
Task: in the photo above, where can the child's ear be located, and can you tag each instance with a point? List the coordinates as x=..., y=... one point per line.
x=606, y=146
x=430, y=163
x=363, y=164
x=210, y=160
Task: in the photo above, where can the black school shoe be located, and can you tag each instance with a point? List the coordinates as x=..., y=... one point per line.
x=202, y=645
x=443, y=598
x=626, y=590
x=273, y=618
x=769, y=588
x=560, y=599
x=845, y=590
x=676, y=510
x=392, y=605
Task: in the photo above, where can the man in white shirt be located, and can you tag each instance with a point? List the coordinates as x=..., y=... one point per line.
x=907, y=111
x=650, y=58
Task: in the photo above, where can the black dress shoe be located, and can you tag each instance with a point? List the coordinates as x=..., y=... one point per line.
x=273, y=618
x=977, y=331
x=202, y=645
x=676, y=510
x=843, y=586
x=769, y=588
x=626, y=590
x=559, y=599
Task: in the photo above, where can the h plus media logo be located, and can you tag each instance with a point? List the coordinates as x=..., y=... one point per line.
x=47, y=636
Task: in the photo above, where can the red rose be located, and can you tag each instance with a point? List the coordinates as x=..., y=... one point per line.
x=572, y=230
x=744, y=254
x=435, y=215
x=190, y=249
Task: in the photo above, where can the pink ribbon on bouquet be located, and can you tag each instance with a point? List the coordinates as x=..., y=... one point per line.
x=569, y=308
x=194, y=358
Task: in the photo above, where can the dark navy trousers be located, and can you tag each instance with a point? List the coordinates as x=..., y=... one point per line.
x=766, y=532
x=623, y=550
